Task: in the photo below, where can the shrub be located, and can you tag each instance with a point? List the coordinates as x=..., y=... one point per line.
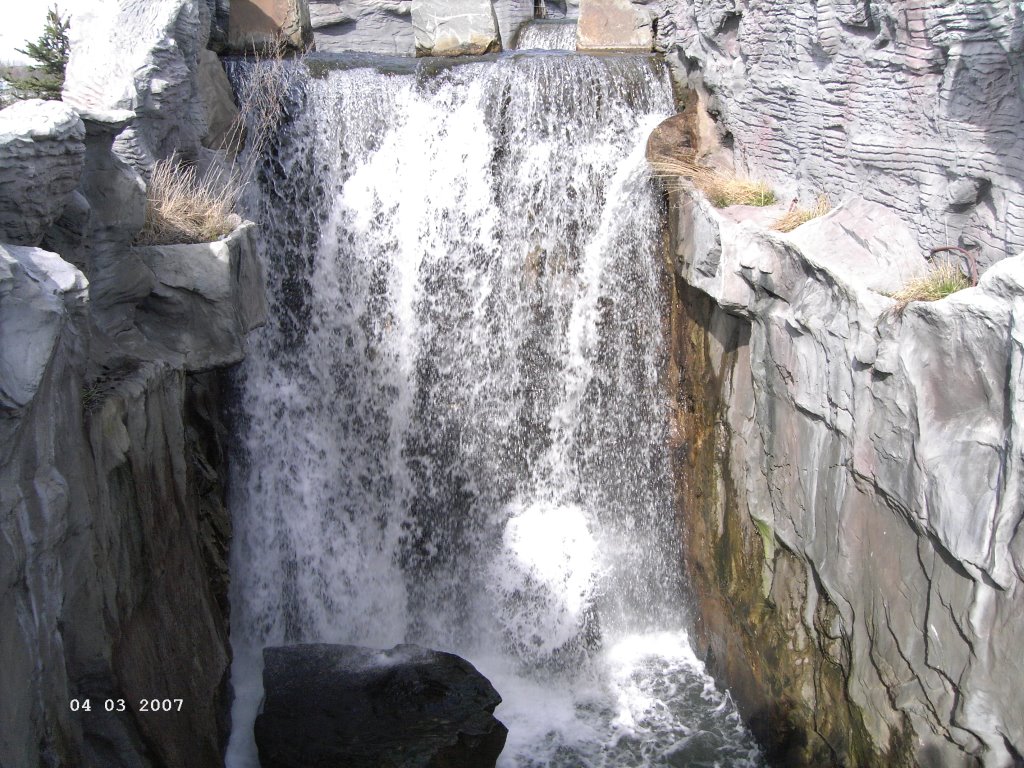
x=184, y=208
x=794, y=217
x=721, y=189
x=938, y=282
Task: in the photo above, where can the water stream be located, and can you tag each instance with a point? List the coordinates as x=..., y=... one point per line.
x=453, y=430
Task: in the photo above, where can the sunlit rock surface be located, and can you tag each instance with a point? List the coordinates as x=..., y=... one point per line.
x=613, y=25
x=266, y=24
x=915, y=104
x=204, y=299
x=368, y=26
x=142, y=56
x=854, y=496
x=447, y=28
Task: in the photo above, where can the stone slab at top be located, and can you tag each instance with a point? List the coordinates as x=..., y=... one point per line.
x=613, y=25
x=261, y=23
x=454, y=27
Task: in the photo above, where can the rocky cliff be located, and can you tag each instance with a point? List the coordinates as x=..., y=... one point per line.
x=851, y=477
x=113, y=575
x=852, y=489
x=915, y=104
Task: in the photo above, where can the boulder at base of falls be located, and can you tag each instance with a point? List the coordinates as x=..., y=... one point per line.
x=409, y=707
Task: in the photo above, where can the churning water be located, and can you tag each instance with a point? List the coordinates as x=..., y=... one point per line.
x=453, y=430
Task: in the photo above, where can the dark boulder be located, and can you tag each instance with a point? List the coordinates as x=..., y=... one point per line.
x=328, y=706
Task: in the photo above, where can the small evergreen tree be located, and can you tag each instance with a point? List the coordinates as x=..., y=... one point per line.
x=46, y=79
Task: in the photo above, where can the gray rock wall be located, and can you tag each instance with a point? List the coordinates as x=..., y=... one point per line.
x=856, y=550
x=915, y=104
x=389, y=26
x=113, y=553
x=366, y=26
x=41, y=158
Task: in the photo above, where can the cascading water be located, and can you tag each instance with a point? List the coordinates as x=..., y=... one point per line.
x=553, y=35
x=453, y=431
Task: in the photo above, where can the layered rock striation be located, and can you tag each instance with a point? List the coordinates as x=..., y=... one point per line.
x=916, y=105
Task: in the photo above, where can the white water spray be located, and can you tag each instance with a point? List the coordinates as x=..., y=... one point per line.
x=453, y=431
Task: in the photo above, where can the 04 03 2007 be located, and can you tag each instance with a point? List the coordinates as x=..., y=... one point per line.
x=121, y=705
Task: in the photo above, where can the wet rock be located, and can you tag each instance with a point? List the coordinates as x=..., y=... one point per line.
x=459, y=28
x=409, y=707
x=613, y=25
x=204, y=298
x=41, y=157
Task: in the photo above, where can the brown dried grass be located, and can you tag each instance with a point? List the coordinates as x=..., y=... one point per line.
x=183, y=206
x=721, y=189
x=938, y=282
x=797, y=216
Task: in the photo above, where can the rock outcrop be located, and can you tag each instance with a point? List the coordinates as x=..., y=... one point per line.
x=409, y=707
x=113, y=575
x=41, y=157
x=141, y=57
x=267, y=24
x=459, y=28
x=365, y=26
x=204, y=299
x=114, y=540
x=916, y=105
x=427, y=28
x=852, y=488
x=613, y=25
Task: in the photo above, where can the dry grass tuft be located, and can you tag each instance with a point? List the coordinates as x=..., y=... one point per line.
x=794, y=217
x=938, y=282
x=184, y=208
x=721, y=189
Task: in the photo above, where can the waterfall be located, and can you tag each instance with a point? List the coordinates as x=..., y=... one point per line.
x=548, y=35
x=453, y=431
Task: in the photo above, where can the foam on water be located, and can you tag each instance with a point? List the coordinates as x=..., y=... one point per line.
x=453, y=429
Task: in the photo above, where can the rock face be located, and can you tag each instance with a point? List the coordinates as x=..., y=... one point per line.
x=852, y=488
x=142, y=57
x=41, y=157
x=613, y=25
x=266, y=23
x=916, y=104
x=432, y=29
x=114, y=533
x=512, y=15
x=222, y=118
x=330, y=705
x=113, y=574
x=459, y=28
x=369, y=26
x=204, y=298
